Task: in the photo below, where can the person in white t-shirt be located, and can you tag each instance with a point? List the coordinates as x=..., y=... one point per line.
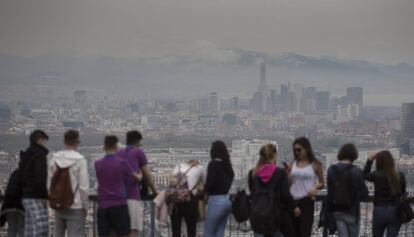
x=188, y=211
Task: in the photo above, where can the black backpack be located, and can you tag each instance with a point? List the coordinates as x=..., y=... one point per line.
x=343, y=191
x=240, y=205
x=265, y=217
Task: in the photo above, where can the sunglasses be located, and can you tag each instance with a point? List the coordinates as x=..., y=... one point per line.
x=297, y=150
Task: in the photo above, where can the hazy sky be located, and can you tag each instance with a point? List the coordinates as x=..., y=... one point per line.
x=376, y=30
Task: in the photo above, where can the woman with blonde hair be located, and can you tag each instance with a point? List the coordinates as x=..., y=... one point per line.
x=272, y=204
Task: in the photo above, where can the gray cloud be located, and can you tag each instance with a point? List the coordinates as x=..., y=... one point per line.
x=375, y=30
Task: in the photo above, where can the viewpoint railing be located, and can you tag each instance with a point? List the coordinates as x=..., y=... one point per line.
x=154, y=229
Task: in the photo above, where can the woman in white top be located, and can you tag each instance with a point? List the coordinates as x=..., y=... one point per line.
x=306, y=178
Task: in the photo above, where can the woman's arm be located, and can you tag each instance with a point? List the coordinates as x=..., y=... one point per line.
x=368, y=175
x=319, y=173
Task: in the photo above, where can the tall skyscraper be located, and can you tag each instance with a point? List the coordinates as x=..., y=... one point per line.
x=262, y=90
x=407, y=120
x=355, y=96
x=322, y=101
x=310, y=100
x=284, y=96
x=262, y=73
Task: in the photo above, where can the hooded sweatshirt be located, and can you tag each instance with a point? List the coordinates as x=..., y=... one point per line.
x=265, y=173
x=78, y=169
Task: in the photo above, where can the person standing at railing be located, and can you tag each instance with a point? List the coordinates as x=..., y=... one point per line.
x=220, y=176
x=389, y=186
x=183, y=193
x=346, y=188
x=112, y=174
x=12, y=210
x=306, y=178
x=137, y=162
x=70, y=218
x=33, y=168
x=272, y=204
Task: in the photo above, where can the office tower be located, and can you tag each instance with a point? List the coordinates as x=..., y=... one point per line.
x=309, y=100
x=257, y=102
x=260, y=98
x=273, y=100
x=213, y=102
x=79, y=96
x=355, y=96
x=407, y=120
x=5, y=113
x=203, y=105
x=322, y=101
x=262, y=73
x=292, y=102
x=284, y=96
x=234, y=104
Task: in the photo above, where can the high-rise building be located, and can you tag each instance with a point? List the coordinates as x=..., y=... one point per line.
x=284, y=96
x=263, y=89
x=322, y=101
x=5, y=113
x=213, y=102
x=407, y=120
x=234, y=103
x=309, y=100
x=355, y=96
x=263, y=73
x=257, y=103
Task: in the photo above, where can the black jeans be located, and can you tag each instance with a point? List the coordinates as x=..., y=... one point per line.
x=385, y=219
x=304, y=223
x=188, y=211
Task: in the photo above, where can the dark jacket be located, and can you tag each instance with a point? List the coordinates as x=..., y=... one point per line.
x=382, y=193
x=359, y=187
x=287, y=204
x=13, y=196
x=33, y=168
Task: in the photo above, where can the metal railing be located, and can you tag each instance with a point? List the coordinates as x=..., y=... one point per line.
x=154, y=229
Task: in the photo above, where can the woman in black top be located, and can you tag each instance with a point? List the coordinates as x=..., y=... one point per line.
x=389, y=187
x=219, y=179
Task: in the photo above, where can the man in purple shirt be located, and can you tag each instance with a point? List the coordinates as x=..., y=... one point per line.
x=112, y=174
x=137, y=163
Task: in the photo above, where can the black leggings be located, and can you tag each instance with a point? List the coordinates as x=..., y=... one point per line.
x=188, y=211
x=304, y=223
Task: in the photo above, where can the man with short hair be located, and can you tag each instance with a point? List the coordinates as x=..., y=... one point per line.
x=112, y=174
x=70, y=221
x=33, y=169
x=137, y=162
x=346, y=189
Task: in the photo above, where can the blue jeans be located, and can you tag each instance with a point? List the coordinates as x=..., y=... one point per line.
x=218, y=211
x=347, y=225
x=385, y=218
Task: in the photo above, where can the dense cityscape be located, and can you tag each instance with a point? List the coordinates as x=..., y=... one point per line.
x=178, y=130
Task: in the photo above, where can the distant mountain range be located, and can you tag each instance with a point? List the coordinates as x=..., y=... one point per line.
x=190, y=74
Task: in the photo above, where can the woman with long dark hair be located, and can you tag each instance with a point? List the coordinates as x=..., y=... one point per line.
x=306, y=178
x=389, y=186
x=219, y=179
x=267, y=175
